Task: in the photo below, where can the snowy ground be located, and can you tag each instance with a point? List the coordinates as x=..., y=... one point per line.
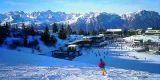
x=124, y=57
x=154, y=38
x=123, y=63
x=16, y=65
x=50, y=73
x=121, y=59
x=20, y=66
x=70, y=73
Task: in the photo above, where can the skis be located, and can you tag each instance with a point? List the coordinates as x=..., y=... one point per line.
x=104, y=74
x=103, y=71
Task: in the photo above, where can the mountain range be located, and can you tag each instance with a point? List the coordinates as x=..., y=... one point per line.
x=88, y=21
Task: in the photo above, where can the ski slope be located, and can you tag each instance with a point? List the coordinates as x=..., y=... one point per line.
x=70, y=73
x=17, y=65
x=122, y=64
x=120, y=59
x=50, y=73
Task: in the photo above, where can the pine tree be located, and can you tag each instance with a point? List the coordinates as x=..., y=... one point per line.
x=7, y=29
x=53, y=40
x=4, y=32
x=68, y=30
x=32, y=31
x=62, y=33
x=25, y=40
x=81, y=32
x=93, y=32
x=54, y=28
x=125, y=32
x=74, y=32
x=24, y=29
x=101, y=30
x=45, y=37
x=1, y=34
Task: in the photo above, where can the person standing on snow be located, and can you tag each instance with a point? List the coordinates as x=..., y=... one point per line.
x=102, y=67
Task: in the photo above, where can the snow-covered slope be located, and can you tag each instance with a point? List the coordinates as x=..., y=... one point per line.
x=36, y=17
x=14, y=57
x=125, y=59
x=142, y=19
x=18, y=65
x=122, y=63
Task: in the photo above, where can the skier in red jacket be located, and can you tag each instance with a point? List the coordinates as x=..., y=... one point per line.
x=102, y=66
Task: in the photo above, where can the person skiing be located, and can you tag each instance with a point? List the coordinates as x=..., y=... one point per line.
x=102, y=67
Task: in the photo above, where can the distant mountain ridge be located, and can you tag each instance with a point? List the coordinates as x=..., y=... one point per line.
x=87, y=21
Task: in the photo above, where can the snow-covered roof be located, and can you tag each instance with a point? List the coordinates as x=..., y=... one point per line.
x=154, y=38
x=114, y=30
x=149, y=28
x=153, y=31
x=73, y=45
x=100, y=35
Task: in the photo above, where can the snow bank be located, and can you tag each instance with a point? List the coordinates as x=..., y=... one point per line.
x=153, y=38
x=13, y=57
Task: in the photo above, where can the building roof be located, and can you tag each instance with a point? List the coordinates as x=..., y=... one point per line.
x=72, y=45
x=153, y=31
x=114, y=30
x=149, y=28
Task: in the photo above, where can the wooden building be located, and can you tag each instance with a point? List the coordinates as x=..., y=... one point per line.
x=152, y=32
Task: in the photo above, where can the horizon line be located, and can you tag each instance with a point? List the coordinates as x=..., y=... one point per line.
x=77, y=12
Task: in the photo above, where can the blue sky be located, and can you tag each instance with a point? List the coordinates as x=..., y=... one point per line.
x=80, y=6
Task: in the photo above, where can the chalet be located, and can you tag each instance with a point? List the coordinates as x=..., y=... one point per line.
x=134, y=31
x=112, y=33
x=139, y=31
x=73, y=50
x=153, y=45
x=144, y=49
x=152, y=32
x=138, y=42
x=149, y=28
x=81, y=43
x=101, y=35
x=94, y=39
x=157, y=53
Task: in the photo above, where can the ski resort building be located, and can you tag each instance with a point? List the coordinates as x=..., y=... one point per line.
x=135, y=31
x=94, y=39
x=81, y=43
x=113, y=33
x=71, y=52
x=152, y=32
x=138, y=42
x=73, y=48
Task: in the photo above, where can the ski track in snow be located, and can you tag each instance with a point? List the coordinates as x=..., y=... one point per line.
x=70, y=73
x=50, y=73
x=113, y=59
